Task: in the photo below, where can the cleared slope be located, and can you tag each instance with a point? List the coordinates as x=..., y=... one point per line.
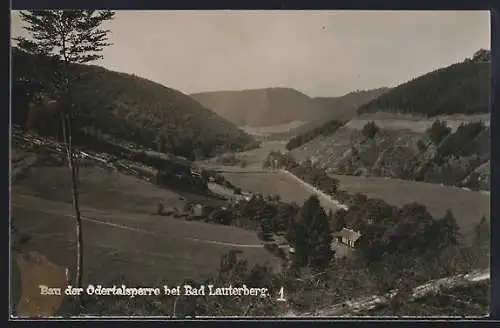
x=461, y=159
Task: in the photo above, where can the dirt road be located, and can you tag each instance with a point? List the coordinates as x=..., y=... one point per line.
x=318, y=192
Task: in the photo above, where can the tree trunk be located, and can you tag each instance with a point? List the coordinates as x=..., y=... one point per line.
x=67, y=115
x=72, y=165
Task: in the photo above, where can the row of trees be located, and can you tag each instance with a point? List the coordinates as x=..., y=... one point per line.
x=326, y=129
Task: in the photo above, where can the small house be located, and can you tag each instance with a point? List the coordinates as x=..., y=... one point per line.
x=346, y=237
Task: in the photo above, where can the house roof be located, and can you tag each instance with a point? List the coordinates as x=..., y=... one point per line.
x=348, y=234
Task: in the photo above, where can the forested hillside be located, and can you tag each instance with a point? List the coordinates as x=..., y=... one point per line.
x=460, y=88
x=439, y=154
x=122, y=106
x=459, y=158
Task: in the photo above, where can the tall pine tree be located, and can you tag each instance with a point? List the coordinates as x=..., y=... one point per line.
x=69, y=37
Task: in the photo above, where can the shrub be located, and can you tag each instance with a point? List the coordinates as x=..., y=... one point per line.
x=370, y=130
x=438, y=131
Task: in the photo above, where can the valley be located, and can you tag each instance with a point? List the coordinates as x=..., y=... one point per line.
x=292, y=160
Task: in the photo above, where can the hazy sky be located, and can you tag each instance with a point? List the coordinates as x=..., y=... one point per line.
x=321, y=53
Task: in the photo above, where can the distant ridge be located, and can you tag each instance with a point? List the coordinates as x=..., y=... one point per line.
x=279, y=106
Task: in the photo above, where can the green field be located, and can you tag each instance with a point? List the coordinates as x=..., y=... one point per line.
x=124, y=240
x=467, y=206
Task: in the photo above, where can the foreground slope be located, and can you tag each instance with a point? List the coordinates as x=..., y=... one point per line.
x=123, y=234
x=124, y=106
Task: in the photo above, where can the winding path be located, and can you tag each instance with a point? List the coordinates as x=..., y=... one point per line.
x=322, y=194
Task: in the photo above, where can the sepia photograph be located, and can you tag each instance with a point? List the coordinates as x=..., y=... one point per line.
x=249, y=163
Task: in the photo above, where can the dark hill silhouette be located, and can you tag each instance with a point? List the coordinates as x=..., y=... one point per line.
x=130, y=108
x=460, y=88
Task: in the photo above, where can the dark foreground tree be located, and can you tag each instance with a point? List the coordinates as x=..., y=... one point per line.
x=69, y=37
x=311, y=236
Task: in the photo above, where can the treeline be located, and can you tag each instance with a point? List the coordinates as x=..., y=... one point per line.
x=323, y=130
x=268, y=216
x=388, y=230
x=123, y=106
x=460, y=88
